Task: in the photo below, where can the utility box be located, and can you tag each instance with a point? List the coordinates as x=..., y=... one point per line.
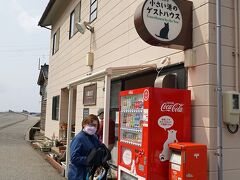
x=89, y=59
x=187, y=161
x=231, y=107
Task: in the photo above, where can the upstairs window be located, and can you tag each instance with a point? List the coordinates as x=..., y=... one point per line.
x=72, y=21
x=93, y=10
x=55, y=108
x=75, y=17
x=55, y=41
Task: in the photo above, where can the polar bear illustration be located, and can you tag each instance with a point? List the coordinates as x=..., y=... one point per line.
x=172, y=137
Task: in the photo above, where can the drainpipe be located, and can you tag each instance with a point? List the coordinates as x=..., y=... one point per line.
x=236, y=52
x=69, y=128
x=219, y=91
x=106, y=109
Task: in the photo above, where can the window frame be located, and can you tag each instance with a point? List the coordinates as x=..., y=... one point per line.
x=72, y=25
x=56, y=41
x=75, y=16
x=55, y=107
x=93, y=11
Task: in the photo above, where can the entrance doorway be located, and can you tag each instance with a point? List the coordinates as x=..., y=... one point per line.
x=64, y=113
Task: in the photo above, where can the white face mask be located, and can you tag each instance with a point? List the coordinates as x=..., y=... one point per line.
x=90, y=129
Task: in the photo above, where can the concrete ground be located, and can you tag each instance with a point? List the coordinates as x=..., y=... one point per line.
x=18, y=160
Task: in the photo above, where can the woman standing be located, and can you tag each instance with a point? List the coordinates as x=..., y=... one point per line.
x=81, y=146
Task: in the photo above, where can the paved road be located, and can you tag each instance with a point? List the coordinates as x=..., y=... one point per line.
x=18, y=160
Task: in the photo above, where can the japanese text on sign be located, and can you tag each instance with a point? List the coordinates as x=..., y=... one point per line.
x=163, y=9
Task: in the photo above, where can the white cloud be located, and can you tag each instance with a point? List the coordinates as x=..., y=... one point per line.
x=2, y=89
x=27, y=21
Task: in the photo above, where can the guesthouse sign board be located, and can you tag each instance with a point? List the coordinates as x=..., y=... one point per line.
x=166, y=23
x=90, y=94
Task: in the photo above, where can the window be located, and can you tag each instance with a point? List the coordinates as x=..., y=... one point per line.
x=55, y=108
x=72, y=20
x=75, y=17
x=93, y=10
x=55, y=41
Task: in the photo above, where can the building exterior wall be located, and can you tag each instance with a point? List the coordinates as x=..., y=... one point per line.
x=43, y=92
x=116, y=43
x=202, y=82
x=43, y=114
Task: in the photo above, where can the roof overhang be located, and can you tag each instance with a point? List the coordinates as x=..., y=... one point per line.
x=114, y=72
x=53, y=9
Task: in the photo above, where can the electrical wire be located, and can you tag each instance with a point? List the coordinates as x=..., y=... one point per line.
x=5, y=48
x=21, y=50
x=23, y=45
x=24, y=56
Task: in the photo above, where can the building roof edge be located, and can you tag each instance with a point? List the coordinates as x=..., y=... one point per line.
x=45, y=13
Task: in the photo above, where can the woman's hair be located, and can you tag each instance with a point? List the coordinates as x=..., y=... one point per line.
x=89, y=119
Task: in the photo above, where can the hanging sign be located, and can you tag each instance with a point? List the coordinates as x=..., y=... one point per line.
x=165, y=23
x=90, y=94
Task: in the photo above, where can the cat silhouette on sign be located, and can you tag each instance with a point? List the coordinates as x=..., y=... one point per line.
x=164, y=31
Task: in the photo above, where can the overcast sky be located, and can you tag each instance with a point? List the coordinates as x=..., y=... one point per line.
x=22, y=43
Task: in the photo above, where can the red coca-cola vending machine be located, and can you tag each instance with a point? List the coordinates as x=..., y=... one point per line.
x=150, y=119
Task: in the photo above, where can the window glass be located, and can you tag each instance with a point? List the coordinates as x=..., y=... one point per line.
x=93, y=10
x=93, y=16
x=55, y=41
x=72, y=16
x=77, y=11
x=75, y=17
x=115, y=90
x=94, y=6
x=55, y=108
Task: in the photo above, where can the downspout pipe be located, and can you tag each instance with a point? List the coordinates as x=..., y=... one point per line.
x=236, y=32
x=219, y=90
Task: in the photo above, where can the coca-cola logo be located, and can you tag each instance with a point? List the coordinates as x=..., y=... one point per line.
x=172, y=107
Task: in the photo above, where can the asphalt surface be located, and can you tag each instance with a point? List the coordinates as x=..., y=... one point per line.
x=18, y=160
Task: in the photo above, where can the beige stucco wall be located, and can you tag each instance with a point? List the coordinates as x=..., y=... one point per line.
x=202, y=82
x=116, y=43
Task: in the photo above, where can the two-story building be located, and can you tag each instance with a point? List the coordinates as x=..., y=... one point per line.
x=87, y=71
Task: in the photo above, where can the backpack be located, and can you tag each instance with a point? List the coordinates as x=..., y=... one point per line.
x=98, y=157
